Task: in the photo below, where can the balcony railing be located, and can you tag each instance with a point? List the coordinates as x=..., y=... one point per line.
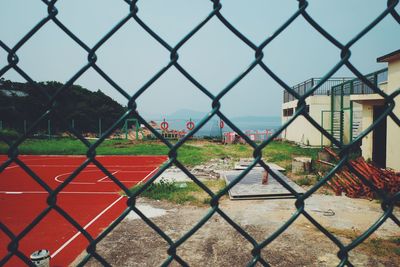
x=324, y=89
x=357, y=87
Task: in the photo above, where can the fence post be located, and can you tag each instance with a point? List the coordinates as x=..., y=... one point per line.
x=1, y=125
x=124, y=129
x=322, y=125
x=137, y=129
x=99, y=127
x=221, y=127
x=332, y=109
x=49, y=128
x=73, y=124
x=341, y=114
x=25, y=127
x=351, y=114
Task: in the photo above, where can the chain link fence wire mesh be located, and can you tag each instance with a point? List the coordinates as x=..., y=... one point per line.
x=133, y=13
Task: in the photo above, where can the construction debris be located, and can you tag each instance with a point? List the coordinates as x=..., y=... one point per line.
x=351, y=185
x=301, y=165
x=245, y=162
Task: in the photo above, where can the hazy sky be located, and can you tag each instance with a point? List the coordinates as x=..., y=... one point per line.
x=214, y=55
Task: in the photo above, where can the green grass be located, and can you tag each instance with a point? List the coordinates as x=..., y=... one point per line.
x=282, y=153
x=305, y=181
x=382, y=247
x=180, y=192
x=67, y=146
x=191, y=153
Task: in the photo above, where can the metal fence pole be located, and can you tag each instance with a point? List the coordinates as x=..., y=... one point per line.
x=137, y=129
x=99, y=127
x=49, y=128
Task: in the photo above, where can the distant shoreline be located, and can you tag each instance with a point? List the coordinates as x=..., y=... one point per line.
x=211, y=128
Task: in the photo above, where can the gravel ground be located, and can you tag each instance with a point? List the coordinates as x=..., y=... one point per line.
x=133, y=243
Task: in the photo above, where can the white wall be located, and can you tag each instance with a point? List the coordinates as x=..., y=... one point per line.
x=393, y=130
x=301, y=130
x=367, y=119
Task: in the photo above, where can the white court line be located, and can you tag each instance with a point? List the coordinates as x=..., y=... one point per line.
x=130, y=181
x=45, y=192
x=12, y=167
x=57, y=178
x=88, y=166
x=153, y=171
x=105, y=177
x=86, y=226
x=61, y=181
x=122, y=171
x=141, y=181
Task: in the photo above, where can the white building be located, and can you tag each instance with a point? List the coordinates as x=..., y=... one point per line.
x=319, y=108
x=345, y=108
x=382, y=145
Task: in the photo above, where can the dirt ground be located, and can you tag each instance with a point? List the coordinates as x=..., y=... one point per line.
x=133, y=243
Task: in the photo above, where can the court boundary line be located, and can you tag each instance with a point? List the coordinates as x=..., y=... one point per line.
x=62, y=192
x=106, y=176
x=153, y=171
x=56, y=178
x=89, y=166
x=85, y=227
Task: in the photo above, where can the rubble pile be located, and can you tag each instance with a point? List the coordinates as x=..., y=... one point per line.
x=212, y=168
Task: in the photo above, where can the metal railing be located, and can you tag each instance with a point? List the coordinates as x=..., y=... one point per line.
x=388, y=202
x=357, y=86
x=324, y=89
x=341, y=104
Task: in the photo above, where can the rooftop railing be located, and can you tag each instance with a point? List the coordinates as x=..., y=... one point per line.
x=357, y=87
x=325, y=88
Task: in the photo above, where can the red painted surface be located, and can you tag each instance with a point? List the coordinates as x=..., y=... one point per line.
x=91, y=198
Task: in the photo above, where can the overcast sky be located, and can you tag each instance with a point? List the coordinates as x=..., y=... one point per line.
x=214, y=55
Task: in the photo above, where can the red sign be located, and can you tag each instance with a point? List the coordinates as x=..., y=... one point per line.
x=190, y=125
x=164, y=125
x=221, y=124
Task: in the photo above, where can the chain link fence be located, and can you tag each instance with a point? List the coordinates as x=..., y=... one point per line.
x=388, y=202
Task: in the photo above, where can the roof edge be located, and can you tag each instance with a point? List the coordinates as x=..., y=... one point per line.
x=389, y=57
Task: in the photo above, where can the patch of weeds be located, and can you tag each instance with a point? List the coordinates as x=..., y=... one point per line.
x=180, y=192
x=305, y=181
x=207, y=200
x=383, y=248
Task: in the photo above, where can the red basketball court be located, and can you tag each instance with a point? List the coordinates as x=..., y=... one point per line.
x=92, y=199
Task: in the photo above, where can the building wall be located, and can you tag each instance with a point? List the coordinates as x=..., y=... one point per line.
x=367, y=120
x=393, y=130
x=301, y=130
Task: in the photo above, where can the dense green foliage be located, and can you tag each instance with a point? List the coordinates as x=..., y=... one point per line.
x=9, y=134
x=22, y=101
